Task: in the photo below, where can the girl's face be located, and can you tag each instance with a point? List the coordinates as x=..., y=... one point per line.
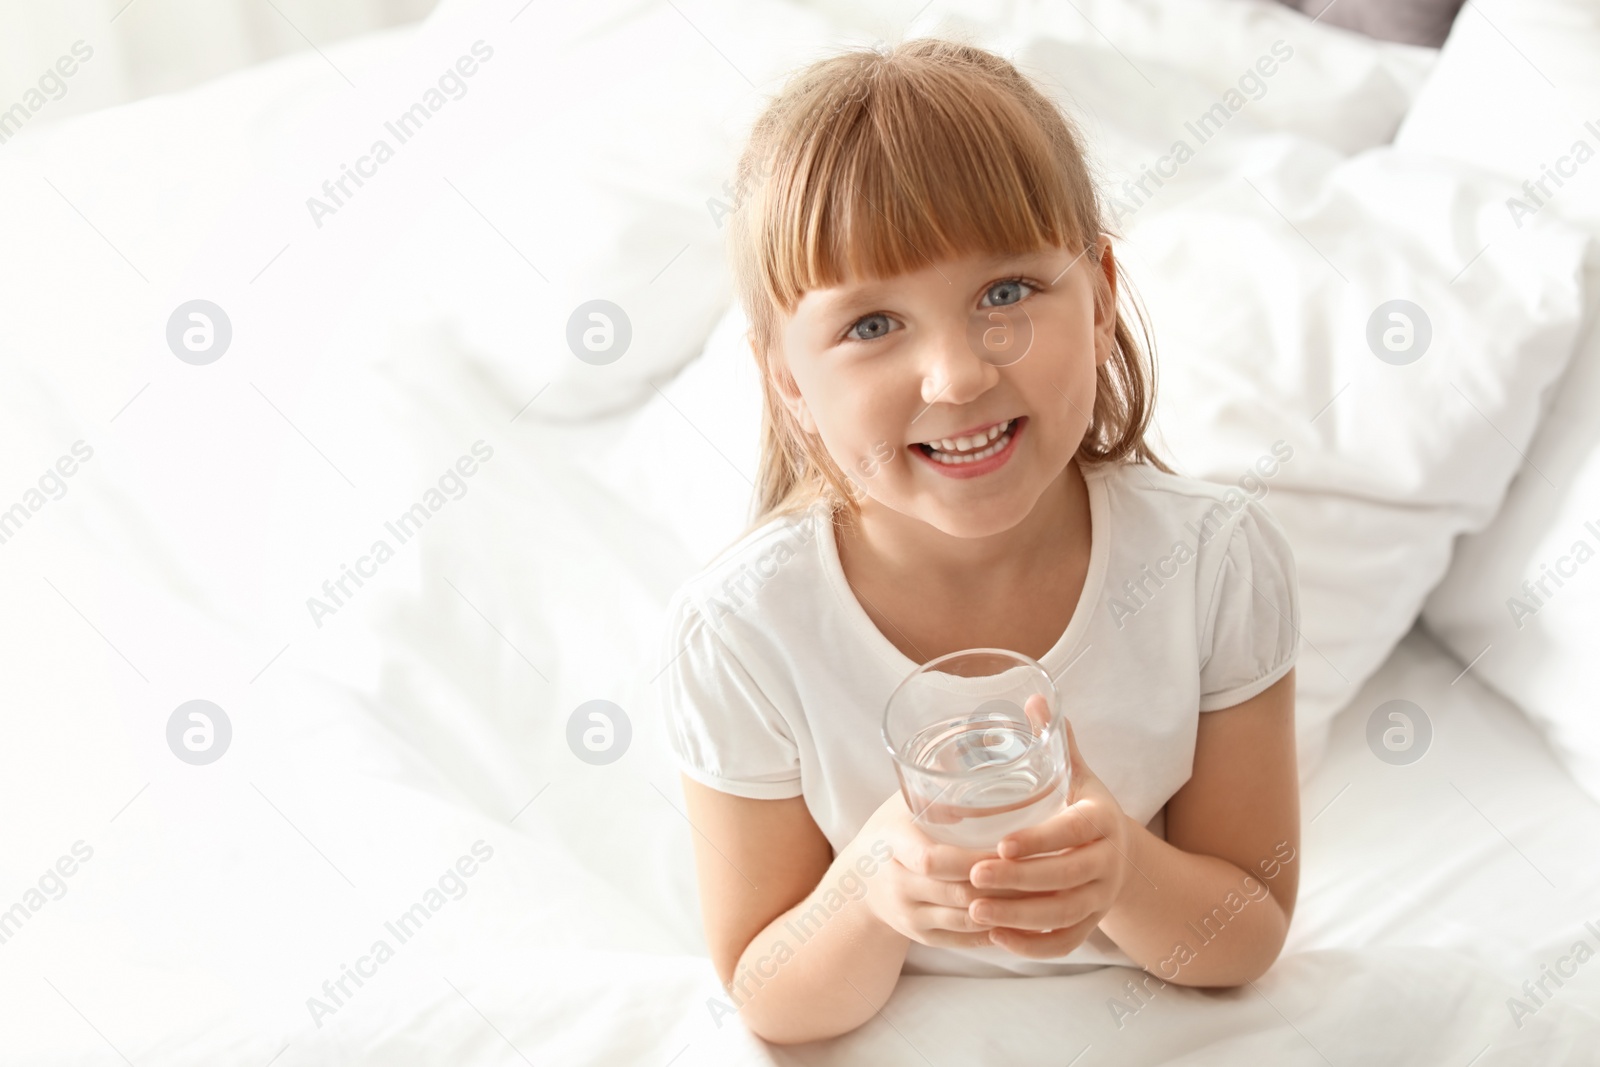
x=958, y=393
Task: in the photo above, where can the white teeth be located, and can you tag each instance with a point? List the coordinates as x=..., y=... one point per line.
x=996, y=446
x=959, y=447
x=967, y=443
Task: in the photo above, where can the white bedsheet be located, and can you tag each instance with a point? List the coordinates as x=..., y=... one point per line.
x=216, y=904
x=428, y=715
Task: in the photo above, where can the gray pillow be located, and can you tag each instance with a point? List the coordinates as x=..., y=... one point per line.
x=1408, y=21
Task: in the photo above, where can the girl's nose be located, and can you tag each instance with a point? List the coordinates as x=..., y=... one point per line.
x=954, y=372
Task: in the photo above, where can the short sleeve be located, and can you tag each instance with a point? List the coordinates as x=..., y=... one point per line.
x=725, y=732
x=1252, y=635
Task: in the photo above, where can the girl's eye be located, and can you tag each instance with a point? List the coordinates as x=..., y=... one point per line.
x=1009, y=291
x=869, y=327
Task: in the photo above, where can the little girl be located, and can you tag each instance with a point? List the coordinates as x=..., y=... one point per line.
x=953, y=457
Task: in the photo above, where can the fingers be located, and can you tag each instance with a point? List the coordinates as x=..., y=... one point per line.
x=1041, y=873
x=1037, y=709
x=1074, y=825
x=1074, y=757
x=922, y=855
x=931, y=917
x=947, y=939
x=935, y=912
x=1042, y=946
x=1051, y=912
x=953, y=894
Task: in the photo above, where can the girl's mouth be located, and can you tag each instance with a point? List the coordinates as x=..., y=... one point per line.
x=971, y=456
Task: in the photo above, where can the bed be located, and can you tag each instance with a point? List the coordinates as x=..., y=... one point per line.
x=393, y=851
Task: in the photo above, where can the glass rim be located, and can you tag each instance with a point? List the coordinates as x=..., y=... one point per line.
x=1023, y=660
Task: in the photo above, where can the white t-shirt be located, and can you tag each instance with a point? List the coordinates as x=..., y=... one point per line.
x=777, y=678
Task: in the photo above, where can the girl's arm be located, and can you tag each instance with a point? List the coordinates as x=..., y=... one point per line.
x=794, y=969
x=809, y=945
x=1210, y=905
x=1226, y=877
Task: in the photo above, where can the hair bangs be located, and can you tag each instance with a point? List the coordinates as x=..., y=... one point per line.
x=895, y=174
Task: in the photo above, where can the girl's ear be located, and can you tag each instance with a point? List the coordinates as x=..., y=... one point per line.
x=1105, y=305
x=789, y=392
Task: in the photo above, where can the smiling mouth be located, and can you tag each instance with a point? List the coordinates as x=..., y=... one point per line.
x=970, y=449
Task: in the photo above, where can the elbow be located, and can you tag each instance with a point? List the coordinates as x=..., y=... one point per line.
x=781, y=1036
x=789, y=1020
x=779, y=1016
x=1258, y=964
x=786, y=1032
x=1267, y=949
x=1267, y=945
x=1245, y=964
x=1237, y=972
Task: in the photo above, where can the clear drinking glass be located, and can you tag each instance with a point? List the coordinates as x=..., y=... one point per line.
x=979, y=745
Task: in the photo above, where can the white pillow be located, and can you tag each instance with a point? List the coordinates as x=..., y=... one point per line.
x=688, y=457
x=1340, y=88
x=1270, y=307
x=1512, y=93
x=583, y=159
x=1516, y=88
x=604, y=161
x=1536, y=643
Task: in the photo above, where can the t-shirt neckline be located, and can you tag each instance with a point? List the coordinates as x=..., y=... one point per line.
x=1071, y=637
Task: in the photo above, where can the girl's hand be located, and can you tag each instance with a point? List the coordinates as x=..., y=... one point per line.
x=923, y=892
x=1067, y=894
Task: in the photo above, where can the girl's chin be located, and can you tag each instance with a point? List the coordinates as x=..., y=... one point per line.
x=967, y=521
x=968, y=526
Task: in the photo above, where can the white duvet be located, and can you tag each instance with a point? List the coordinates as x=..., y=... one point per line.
x=398, y=860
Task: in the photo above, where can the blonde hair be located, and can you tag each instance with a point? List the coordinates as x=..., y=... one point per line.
x=874, y=163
